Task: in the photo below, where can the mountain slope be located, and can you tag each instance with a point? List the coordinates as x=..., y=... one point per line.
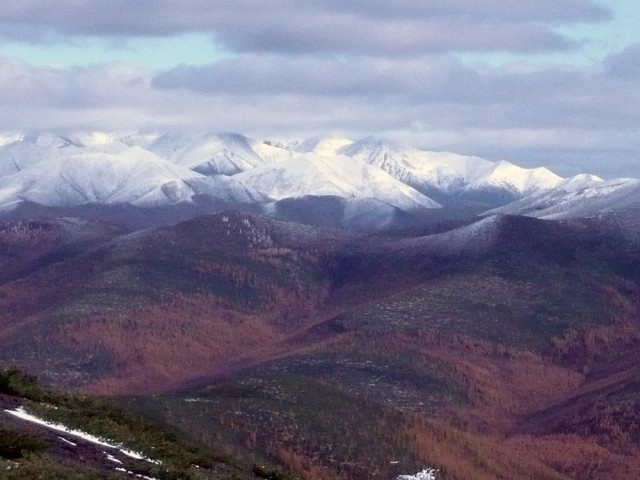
x=443, y=367
x=219, y=285
x=59, y=435
x=368, y=178
x=134, y=176
x=311, y=174
x=580, y=196
x=209, y=154
x=445, y=351
x=449, y=177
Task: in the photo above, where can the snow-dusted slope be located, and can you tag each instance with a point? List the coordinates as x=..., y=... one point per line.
x=477, y=237
x=374, y=180
x=226, y=189
x=450, y=175
x=579, y=196
x=445, y=171
x=311, y=174
x=27, y=151
x=521, y=181
x=368, y=214
x=324, y=146
x=210, y=154
x=134, y=176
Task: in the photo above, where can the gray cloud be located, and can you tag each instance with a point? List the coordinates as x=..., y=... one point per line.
x=313, y=76
x=374, y=27
x=342, y=34
x=535, y=115
x=625, y=64
x=436, y=87
x=358, y=67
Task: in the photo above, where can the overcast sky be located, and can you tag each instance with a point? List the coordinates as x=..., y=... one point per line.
x=537, y=82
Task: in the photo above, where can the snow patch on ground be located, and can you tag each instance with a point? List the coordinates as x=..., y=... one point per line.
x=474, y=238
x=144, y=477
x=426, y=474
x=21, y=413
x=68, y=442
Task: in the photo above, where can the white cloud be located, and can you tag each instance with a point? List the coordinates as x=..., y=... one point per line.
x=298, y=67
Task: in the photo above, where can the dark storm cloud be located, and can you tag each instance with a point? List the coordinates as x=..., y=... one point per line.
x=374, y=27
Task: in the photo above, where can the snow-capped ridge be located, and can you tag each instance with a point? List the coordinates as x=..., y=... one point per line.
x=449, y=175
x=150, y=169
x=579, y=196
x=477, y=237
x=210, y=154
x=128, y=177
x=521, y=180
x=312, y=174
x=323, y=146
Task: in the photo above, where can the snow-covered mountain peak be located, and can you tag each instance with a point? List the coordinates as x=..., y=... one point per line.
x=375, y=151
x=30, y=149
x=323, y=146
x=450, y=177
x=92, y=139
x=579, y=196
x=210, y=154
x=7, y=138
x=93, y=177
x=272, y=152
x=579, y=181
x=367, y=176
x=45, y=140
x=521, y=180
x=313, y=174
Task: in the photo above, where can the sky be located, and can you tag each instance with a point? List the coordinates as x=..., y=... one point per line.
x=551, y=83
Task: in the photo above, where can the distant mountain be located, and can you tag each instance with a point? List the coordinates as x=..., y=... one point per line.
x=209, y=154
x=133, y=176
x=368, y=184
x=341, y=176
x=579, y=196
x=29, y=150
x=451, y=178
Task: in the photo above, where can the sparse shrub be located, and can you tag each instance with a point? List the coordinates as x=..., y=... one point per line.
x=270, y=473
x=14, y=445
x=14, y=382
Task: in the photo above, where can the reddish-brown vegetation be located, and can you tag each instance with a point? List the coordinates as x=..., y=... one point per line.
x=336, y=355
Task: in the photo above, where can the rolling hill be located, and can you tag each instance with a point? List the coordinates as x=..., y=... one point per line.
x=483, y=351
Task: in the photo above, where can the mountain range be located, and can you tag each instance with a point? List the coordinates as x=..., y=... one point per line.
x=468, y=319
x=367, y=184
